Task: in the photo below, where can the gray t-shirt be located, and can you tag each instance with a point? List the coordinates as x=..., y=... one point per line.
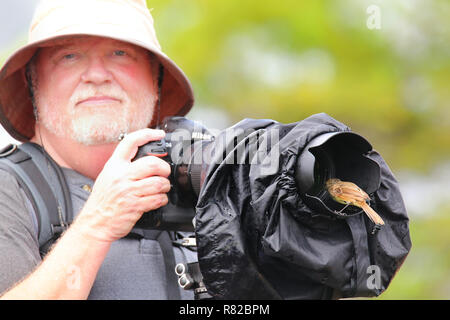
x=133, y=269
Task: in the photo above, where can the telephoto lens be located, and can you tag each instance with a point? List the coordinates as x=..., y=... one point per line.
x=340, y=155
x=188, y=147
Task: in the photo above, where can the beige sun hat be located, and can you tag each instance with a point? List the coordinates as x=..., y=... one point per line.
x=125, y=20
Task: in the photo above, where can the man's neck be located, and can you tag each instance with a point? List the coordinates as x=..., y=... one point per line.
x=87, y=160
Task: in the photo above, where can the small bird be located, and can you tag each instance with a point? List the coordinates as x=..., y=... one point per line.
x=350, y=194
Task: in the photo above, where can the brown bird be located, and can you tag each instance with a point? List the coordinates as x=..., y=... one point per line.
x=350, y=194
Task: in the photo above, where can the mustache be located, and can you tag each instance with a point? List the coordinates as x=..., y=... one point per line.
x=89, y=92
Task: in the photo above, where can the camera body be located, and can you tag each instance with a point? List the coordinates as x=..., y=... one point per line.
x=183, y=149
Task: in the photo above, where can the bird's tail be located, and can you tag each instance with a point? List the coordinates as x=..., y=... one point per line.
x=372, y=214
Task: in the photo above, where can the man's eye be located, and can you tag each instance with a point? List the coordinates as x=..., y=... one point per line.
x=120, y=53
x=69, y=56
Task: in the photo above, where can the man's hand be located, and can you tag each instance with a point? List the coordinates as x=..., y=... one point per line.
x=125, y=189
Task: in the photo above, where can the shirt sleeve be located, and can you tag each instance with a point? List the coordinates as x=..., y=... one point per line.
x=19, y=247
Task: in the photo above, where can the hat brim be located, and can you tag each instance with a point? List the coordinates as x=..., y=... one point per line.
x=16, y=109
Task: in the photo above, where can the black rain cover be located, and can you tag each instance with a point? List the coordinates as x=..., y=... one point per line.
x=258, y=240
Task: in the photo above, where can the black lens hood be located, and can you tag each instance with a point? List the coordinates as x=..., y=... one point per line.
x=341, y=155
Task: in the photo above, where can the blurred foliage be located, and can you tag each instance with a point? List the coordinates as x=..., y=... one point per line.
x=425, y=273
x=289, y=59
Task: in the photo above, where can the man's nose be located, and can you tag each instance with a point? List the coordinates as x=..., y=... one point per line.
x=96, y=72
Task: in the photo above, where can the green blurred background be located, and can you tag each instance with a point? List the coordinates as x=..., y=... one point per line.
x=381, y=67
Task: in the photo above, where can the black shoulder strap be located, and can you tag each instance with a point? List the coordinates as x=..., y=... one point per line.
x=51, y=209
x=54, y=175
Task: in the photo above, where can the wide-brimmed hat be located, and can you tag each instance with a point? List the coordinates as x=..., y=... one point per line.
x=124, y=20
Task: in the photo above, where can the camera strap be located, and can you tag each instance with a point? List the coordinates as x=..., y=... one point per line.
x=165, y=241
x=51, y=202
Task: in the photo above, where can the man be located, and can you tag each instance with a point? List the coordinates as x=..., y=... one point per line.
x=92, y=72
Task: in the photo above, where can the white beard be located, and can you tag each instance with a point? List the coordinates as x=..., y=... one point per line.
x=96, y=125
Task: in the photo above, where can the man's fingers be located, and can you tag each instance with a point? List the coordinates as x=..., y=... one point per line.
x=151, y=186
x=153, y=202
x=149, y=166
x=127, y=148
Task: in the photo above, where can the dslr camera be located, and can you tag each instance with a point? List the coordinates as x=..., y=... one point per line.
x=188, y=146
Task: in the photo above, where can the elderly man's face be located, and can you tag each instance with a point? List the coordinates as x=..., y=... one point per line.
x=93, y=89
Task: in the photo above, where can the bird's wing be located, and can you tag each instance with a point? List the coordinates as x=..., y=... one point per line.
x=350, y=191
